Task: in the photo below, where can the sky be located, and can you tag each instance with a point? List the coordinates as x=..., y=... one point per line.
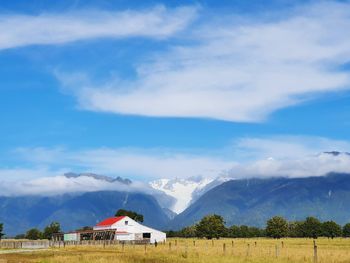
x=173, y=89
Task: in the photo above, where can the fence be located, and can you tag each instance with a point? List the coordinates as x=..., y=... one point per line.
x=46, y=243
x=24, y=244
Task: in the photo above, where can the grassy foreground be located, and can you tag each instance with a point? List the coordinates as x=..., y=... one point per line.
x=193, y=251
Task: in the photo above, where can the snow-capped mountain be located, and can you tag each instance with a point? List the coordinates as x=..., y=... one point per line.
x=185, y=191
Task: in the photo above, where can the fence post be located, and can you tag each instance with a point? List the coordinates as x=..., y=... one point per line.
x=212, y=242
x=194, y=243
x=315, y=252
x=248, y=249
x=224, y=248
x=276, y=251
x=145, y=249
x=169, y=246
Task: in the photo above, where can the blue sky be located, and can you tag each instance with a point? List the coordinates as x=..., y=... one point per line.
x=149, y=89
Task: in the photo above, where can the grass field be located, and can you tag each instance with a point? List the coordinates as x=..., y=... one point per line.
x=190, y=250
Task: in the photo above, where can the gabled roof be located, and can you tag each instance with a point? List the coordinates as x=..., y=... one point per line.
x=110, y=221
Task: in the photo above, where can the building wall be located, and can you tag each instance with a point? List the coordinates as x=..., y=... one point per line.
x=125, y=237
x=71, y=237
x=134, y=230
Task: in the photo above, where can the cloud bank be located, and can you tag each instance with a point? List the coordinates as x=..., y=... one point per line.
x=132, y=162
x=233, y=70
x=60, y=184
x=289, y=156
x=22, y=30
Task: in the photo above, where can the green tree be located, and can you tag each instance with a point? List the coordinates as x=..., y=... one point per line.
x=295, y=229
x=244, y=231
x=1, y=230
x=312, y=227
x=234, y=231
x=346, y=230
x=331, y=229
x=54, y=227
x=277, y=227
x=190, y=231
x=211, y=226
x=33, y=234
x=255, y=232
x=133, y=215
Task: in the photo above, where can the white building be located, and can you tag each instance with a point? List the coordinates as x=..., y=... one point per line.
x=127, y=229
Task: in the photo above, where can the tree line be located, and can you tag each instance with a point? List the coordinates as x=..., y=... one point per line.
x=213, y=226
x=35, y=233
x=55, y=227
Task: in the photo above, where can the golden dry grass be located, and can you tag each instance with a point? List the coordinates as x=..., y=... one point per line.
x=197, y=251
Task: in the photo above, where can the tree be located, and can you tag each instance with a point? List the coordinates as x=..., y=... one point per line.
x=211, y=226
x=346, y=230
x=190, y=231
x=295, y=229
x=54, y=227
x=277, y=227
x=312, y=227
x=234, y=231
x=33, y=234
x=133, y=215
x=331, y=229
x=1, y=230
x=255, y=232
x=244, y=231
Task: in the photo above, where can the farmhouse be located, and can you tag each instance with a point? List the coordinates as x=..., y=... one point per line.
x=121, y=228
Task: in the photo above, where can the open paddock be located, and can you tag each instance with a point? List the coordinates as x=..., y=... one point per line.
x=257, y=250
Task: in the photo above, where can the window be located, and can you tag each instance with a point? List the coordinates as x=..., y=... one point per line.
x=126, y=223
x=146, y=235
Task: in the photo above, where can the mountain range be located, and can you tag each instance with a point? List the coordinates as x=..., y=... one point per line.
x=253, y=201
x=75, y=211
x=248, y=201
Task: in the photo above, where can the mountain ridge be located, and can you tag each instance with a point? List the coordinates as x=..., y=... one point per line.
x=252, y=201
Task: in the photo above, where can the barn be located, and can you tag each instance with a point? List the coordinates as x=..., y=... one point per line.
x=127, y=229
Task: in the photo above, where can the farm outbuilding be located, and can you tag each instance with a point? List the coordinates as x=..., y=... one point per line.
x=127, y=229
x=121, y=228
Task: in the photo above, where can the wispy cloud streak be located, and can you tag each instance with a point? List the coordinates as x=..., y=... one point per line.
x=235, y=71
x=22, y=30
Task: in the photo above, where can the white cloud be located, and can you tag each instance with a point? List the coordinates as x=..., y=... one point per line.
x=236, y=71
x=317, y=165
x=264, y=156
x=142, y=163
x=21, y=30
x=12, y=174
x=59, y=184
x=291, y=156
x=286, y=147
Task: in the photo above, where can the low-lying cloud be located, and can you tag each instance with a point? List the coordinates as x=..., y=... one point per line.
x=129, y=162
x=244, y=157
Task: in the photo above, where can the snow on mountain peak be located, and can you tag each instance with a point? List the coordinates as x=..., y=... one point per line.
x=181, y=189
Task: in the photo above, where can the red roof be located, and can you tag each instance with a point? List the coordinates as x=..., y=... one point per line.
x=110, y=221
